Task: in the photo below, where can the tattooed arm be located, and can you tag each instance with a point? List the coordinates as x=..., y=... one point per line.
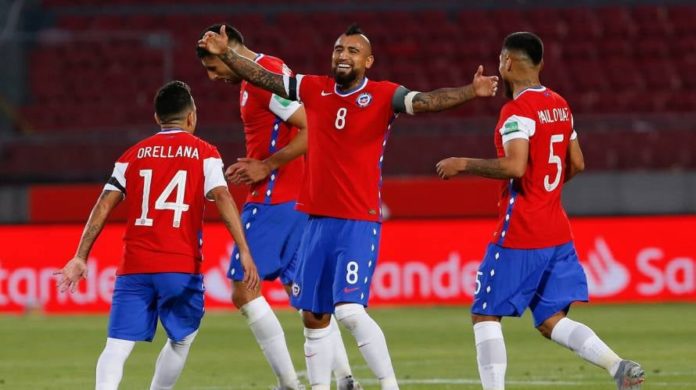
x=445, y=98
x=218, y=44
x=76, y=268
x=512, y=166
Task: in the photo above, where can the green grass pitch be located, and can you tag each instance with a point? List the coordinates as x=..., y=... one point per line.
x=431, y=347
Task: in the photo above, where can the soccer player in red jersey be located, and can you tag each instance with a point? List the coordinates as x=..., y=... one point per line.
x=531, y=261
x=276, y=139
x=166, y=177
x=348, y=121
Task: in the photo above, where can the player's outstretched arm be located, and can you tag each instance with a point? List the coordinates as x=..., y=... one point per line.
x=76, y=269
x=512, y=166
x=445, y=98
x=218, y=44
x=230, y=216
x=249, y=170
x=575, y=162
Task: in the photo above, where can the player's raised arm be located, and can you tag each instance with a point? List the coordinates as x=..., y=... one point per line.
x=76, y=269
x=218, y=44
x=446, y=98
x=230, y=216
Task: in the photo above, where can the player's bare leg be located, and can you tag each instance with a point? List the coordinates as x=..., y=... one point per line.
x=170, y=362
x=268, y=333
x=491, y=354
x=110, y=363
x=585, y=343
x=371, y=342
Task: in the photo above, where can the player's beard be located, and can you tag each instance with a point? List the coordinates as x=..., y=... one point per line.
x=508, y=89
x=344, y=79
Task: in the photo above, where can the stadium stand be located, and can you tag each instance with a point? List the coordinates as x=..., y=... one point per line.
x=618, y=62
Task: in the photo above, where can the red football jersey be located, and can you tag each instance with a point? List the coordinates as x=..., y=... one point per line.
x=165, y=179
x=263, y=114
x=530, y=209
x=347, y=136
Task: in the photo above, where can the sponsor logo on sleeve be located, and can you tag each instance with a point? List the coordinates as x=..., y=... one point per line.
x=282, y=101
x=510, y=127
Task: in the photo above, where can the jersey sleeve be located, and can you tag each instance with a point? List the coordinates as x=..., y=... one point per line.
x=293, y=85
x=117, y=181
x=281, y=107
x=213, y=168
x=516, y=124
x=402, y=100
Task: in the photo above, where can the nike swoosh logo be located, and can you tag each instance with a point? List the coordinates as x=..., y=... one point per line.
x=312, y=355
x=326, y=93
x=350, y=290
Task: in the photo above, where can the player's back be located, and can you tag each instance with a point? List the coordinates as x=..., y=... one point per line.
x=531, y=212
x=165, y=184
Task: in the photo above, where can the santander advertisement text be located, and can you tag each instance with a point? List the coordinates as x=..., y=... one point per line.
x=635, y=259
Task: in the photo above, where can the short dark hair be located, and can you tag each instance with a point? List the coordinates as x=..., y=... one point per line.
x=232, y=33
x=527, y=43
x=354, y=29
x=172, y=101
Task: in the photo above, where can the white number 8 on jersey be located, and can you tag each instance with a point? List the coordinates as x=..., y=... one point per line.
x=341, y=118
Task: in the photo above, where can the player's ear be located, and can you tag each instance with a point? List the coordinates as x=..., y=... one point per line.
x=191, y=119
x=369, y=61
x=541, y=65
x=508, y=64
x=157, y=119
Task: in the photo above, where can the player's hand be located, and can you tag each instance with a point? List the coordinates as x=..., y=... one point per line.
x=71, y=274
x=450, y=167
x=253, y=171
x=215, y=43
x=484, y=85
x=251, y=275
x=233, y=173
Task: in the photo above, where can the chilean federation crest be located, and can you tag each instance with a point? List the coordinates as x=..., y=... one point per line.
x=364, y=99
x=245, y=96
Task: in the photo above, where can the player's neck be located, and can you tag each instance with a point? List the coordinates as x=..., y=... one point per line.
x=350, y=86
x=521, y=85
x=246, y=53
x=173, y=127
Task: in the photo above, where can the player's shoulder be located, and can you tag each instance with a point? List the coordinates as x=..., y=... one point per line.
x=310, y=81
x=274, y=64
x=558, y=97
x=383, y=84
x=207, y=148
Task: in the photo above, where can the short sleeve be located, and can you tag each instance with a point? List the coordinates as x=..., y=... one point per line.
x=281, y=107
x=117, y=181
x=517, y=127
x=574, y=134
x=292, y=86
x=213, y=168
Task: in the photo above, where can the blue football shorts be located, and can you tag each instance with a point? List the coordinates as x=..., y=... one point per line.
x=336, y=261
x=273, y=232
x=139, y=299
x=546, y=280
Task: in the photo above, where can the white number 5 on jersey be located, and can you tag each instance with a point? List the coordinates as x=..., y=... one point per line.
x=554, y=159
